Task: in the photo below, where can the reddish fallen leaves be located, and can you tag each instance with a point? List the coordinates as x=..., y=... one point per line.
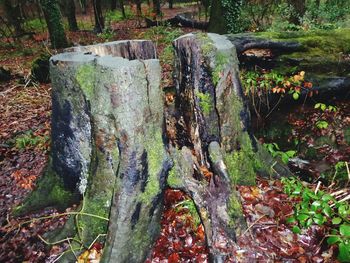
x=268, y=238
x=180, y=240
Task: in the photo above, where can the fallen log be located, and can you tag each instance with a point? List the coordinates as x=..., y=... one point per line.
x=180, y=20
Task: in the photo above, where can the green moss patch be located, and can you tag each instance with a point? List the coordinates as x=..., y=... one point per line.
x=50, y=191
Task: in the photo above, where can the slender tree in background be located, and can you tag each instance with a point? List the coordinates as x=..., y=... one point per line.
x=113, y=4
x=171, y=2
x=12, y=16
x=69, y=11
x=299, y=10
x=54, y=23
x=83, y=5
x=121, y=3
x=99, y=21
x=224, y=16
x=138, y=7
x=217, y=22
x=156, y=7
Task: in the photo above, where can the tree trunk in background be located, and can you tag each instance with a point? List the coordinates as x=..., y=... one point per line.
x=13, y=17
x=217, y=22
x=99, y=21
x=171, y=2
x=113, y=4
x=156, y=7
x=138, y=7
x=83, y=5
x=54, y=23
x=299, y=11
x=69, y=10
x=122, y=8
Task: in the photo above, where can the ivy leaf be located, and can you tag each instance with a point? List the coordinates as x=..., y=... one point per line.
x=336, y=220
x=290, y=220
x=319, y=219
x=344, y=230
x=332, y=240
x=344, y=252
x=295, y=95
x=302, y=217
x=296, y=230
x=327, y=210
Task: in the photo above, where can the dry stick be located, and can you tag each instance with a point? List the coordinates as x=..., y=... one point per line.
x=93, y=242
x=347, y=169
x=63, y=214
x=57, y=242
x=256, y=221
x=317, y=187
x=71, y=248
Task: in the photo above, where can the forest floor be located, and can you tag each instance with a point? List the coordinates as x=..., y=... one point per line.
x=25, y=112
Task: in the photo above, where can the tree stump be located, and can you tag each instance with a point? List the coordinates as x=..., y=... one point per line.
x=107, y=145
x=212, y=145
x=111, y=147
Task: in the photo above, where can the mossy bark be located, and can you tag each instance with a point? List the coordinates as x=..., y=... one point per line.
x=107, y=146
x=212, y=136
x=54, y=23
x=109, y=143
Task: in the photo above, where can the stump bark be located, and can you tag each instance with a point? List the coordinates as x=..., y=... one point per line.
x=111, y=146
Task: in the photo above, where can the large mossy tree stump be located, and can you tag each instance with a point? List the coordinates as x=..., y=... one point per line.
x=213, y=148
x=107, y=146
x=110, y=144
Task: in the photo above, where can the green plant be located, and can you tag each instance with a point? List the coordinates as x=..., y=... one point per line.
x=275, y=151
x=321, y=123
x=30, y=140
x=324, y=107
x=205, y=102
x=319, y=207
x=191, y=207
x=107, y=34
x=117, y=15
x=258, y=85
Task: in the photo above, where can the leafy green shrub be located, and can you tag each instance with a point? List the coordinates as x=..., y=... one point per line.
x=257, y=85
x=321, y=208
x=275, y=151
x=117, y=15
x=35, y=25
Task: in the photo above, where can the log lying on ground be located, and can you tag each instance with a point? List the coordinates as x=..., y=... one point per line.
x=107, y=134
x=244, y=42
x=214, y=149
x=181, y=20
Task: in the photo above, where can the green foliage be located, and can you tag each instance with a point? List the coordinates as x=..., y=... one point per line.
x=107, y=34
x=35, y=24
x=322, y=124
x=117, y=15
x=191, y=207
x=256, y=85
x=341, y=174
x=324, y=107
x=29, y=140
x=274, y=150
x=232, y=10
x=319, y=207
x=221, y=60
x=164, y=35
x=205, y=102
